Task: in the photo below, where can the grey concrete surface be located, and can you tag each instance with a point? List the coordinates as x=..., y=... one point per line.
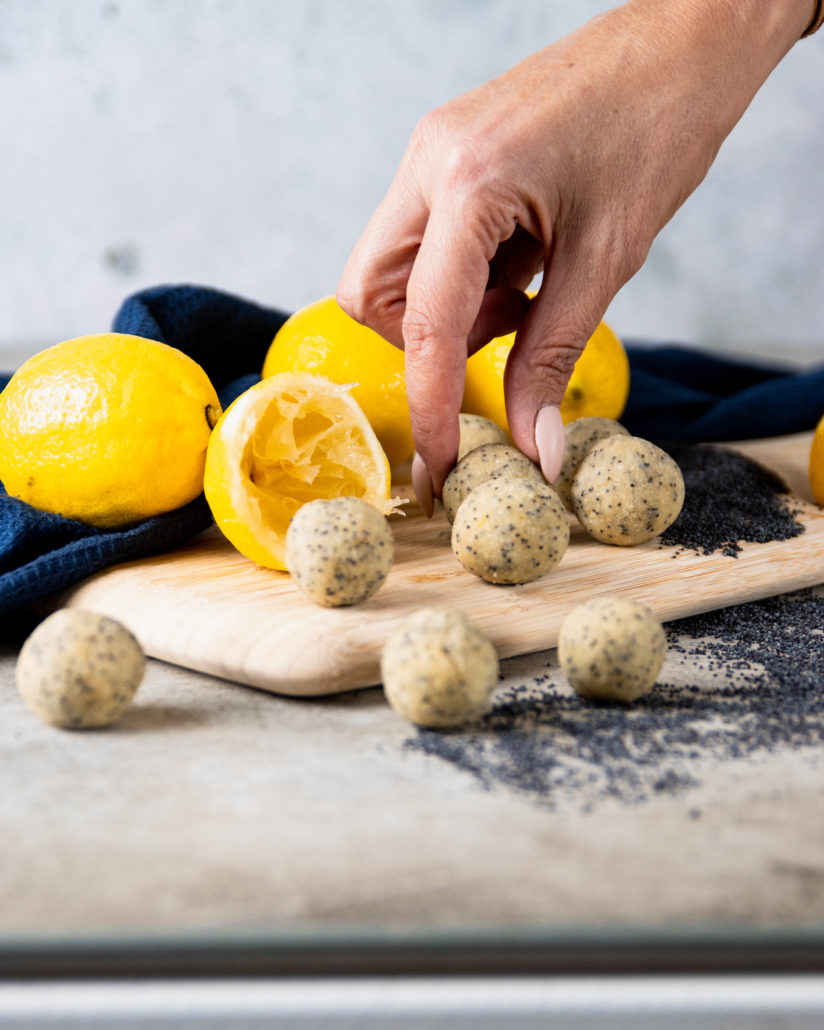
x=215, y=806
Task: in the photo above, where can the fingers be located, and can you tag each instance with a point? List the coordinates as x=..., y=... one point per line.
x=511, y=270
x=502, y=311
x=444, y=297
x=422, y=485
x=564, y=314
x=517, y=260
x=372, y=288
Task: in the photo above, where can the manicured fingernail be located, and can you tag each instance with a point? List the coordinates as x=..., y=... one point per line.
x=550, y=440
x=422, y=485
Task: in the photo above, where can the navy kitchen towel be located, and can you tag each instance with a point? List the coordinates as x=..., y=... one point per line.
x=677, y=393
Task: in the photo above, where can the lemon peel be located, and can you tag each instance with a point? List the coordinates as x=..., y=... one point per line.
x=292, y=438
x=323, y=340
x=108, y=429
x=598, y=386
x=816, y=468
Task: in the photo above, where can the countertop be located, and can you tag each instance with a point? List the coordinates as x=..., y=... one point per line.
x=216, y=809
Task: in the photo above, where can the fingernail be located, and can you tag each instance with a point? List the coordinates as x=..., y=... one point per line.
x=550, y=440
x=422, y=485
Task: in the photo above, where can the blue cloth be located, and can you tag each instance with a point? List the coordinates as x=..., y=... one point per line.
x=226, y=335
x=681, y=394
x=677, y=393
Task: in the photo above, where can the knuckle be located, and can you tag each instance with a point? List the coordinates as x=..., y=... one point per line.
x=553, y=364
x=367, y=304
x=418, y=330
x=465, y=161
x=430, y=130
x=352, y=300
x=625, y=251
x=428, y=428
x=480, y=188
x=375, y=309
x=427, y=337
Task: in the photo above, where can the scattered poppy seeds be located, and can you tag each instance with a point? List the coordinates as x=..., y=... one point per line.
x=761, y=690
x=728, y=499
x=752, y=683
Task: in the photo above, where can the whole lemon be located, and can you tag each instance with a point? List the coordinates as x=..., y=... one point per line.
x=108, y=429
x=323, y=340
x=599, y=384
x=817, y=464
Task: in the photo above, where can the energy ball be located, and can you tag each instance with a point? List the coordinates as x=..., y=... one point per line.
x=486, y=462
x=438, y=669
x=510, y=530
x=581, y=435
x=627, y=491
x=79, y=670
x=476, y=431
x=611, y=649
x=339, y=552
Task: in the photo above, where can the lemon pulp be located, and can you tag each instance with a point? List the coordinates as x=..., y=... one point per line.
x=323, y=340
x=290, y=439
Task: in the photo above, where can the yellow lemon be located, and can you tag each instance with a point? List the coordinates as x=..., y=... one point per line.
x=817, y=464
x=599, y=384
x=291, y=438
x=322, y=339
x=108, y=429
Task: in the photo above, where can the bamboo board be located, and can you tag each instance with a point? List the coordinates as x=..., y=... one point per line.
x=206, y=607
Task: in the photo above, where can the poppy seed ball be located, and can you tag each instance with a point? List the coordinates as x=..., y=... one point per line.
x=581, y=435
x=79, y=669
x=486, y=462
x=627, y=491
x=611, y=649
x=438, y=669
x=476, y=430
x=510, y=530
x=339, y=551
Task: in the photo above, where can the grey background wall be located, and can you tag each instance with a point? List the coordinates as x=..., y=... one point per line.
x=244, y=143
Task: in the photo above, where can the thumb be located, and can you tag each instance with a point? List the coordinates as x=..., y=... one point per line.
x=563, y=316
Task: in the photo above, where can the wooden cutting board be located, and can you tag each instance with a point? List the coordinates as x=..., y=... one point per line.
x=206, y=607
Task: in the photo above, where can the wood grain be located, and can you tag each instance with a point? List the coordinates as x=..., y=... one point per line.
x=205, y=607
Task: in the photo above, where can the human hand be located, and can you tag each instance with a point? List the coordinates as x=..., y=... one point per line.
x=570, y=163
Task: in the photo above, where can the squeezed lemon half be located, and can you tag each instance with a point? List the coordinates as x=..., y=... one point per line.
x=292, y=438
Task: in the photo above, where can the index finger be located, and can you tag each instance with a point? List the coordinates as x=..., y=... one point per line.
x=444, y=295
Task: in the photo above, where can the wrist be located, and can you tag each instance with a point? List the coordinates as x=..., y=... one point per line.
x=769, y=26
x=732, y=46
